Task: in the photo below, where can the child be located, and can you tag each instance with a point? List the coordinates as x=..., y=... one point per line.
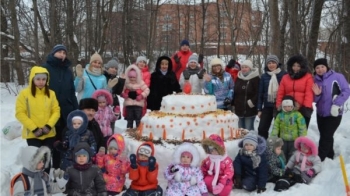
x=104, y=115
x=141, y=63
x=34, y=161
x=143, y=172
x=217, y=167
x=289, y=124
x=251, y=169
x=276, y=159
x=135, y=92
x=114, y=165
x=163, y=82
x=305, y=162
x=233, y=67
x=193, y=74
x=84, y=177
x=184, y=176
x=77, y=123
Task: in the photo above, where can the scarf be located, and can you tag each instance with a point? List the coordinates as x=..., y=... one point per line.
x=82, y=167
x=283, y=165
x=303, y=162
x=193, y=71
x=74, y=137
x=256, y=159
x=252, y=74
x=38, y=187
x=215, y=160
x=273, y=85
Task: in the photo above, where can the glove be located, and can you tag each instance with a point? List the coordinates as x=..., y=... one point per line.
x=261, y=190
x=133, y=161
x=218, y=188
x=38, y=132
x=132, y=94
x=238, y=182
x=200, y=58
x=177, y=59
x=227, y=102
x=186, y=74
x=139, y=97
x=193, y=180
x=311, y=173
x=173, y=169
x=250, y=103
x=46, y=129
x=65, y=144
x=201, y=73
x=151, y=163
x=335, y=110
x=102, y=150
x=112, y=82
x=125, y=95
x=79, y=71
x=231, y=63
x=58, y=173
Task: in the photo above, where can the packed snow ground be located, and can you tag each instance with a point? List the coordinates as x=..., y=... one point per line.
x=328, y=182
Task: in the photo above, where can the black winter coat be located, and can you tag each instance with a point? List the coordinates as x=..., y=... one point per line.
x=94, y=127
x=117, y=89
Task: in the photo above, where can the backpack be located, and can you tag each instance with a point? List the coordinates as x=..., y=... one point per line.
x=24, y=179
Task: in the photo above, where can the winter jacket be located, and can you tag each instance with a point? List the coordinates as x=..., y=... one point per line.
x=220, y=89
x=62, y=83
x=30, y=157
x=94, y=127
x=116, y=89
x=36, y=112
x=146, y=76
x=332, y=84
x=232, y=72
x=104, y=117
x=179, y=68
x=84, y=87
x=141, y=178
x=264, y=86
x=85, y=180
x=289, y=125
x=276, y=163
x=161, y=85
x=196, y=83
x=246, y=91
x=114, y=167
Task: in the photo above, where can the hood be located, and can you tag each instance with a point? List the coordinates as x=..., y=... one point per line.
x=80, y=113
x=31, y=156
x=37, y=70
x=145, y=143
x=119, y=140
x=138, y=72
x=51, y=60
x=215, y=141
x=187, y=147
x=105, y=93
x=260, y=149
x=170, y=66
x=303, y=66
x=79, y=146
x=308, y=142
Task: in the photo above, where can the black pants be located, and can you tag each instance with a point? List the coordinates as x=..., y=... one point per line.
x=152, y=192
x=56, y=155
x=288, y=149
x=265, y=121
x=46, y=142
x=327, y=127
x=133, y=113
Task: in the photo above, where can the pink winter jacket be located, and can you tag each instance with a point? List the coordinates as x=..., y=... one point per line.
x=225, y=172
x=104, y=117
x=146, y=76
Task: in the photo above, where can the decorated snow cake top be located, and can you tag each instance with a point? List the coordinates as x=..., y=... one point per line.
x=188, y=104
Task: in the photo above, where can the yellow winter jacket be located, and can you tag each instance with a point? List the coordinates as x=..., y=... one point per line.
x=36, y=112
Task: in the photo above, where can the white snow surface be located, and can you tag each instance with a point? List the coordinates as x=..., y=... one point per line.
x=328, y=182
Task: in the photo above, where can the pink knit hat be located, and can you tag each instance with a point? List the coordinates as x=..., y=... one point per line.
x=132, y=73
x=186, y=153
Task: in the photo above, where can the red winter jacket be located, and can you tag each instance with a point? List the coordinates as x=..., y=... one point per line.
x=184, y=56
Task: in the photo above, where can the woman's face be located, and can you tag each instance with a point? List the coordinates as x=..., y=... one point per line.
x=245, y=69
x=40, y=82
x=141, y=64
x=96, y=64
x=320, y=69
x=164, y=64
x=216, y=68
x=296, y=67
x=272, y=66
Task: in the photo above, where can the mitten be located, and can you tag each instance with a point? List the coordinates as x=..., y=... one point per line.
x=139, y=97
x=311, y=173
x=177, y=59
x=207, y=77
x=231, y=63
x=125, y=95
x=227, y=102
x=38, y=132
x=58, y=173
x=200, y=58
x=138, y=91
x=201, y=73
x=132, y=95
x=173, y=169
x=193, y=180
x=177, y=177
x=261, y=190
x=112, y=82
x=46, y=129
x=133, y=164
x=250, y=103
x=238, y=182
x=218, y=188
x=186, y=74
x=151, y=163
x=335, y=110
x=79, y=71
x=102, y=150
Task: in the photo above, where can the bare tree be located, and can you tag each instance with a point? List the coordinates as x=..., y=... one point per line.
x=5, y=66
x=275, y=28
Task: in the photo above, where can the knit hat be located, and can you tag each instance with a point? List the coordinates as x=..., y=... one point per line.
x=113, y=144
x=193, y=58
x=145, y=150
x=250, y=138
x=288, y=101
x=321, y=61
x=82, y=152
x=132, y=73
x=273, y=58
x=77, y=118
x=248, y=63
x=185, y=42
x=112, y=63
x=96, y=57
x=141, y=58
x=88, y=103
x=274, y=142
x=186, y=153
x=40, y=75
x=215, y=61
x=57, y=48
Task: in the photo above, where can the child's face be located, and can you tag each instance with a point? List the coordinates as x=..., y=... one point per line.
x=249, y=147
x=272, y=66
x=96, y=64
x=112, y=70
x=141, y=64
x=132, y=79
x=40, y=165
x=212, y=150
x=185, y=159
x=81, y=159
x=245, y=69
x=60, y=55
x=76, y=123
x=305, y=149
x=320, y=69
x=40, y=82
x=287, y=108
x=102, y=103
x=143, y=157
x=278, y=150
x=164, y=64
x=192, y=65
x=112, y=151
x=296, y=67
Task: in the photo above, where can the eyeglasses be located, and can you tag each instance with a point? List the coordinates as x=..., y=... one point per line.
x=144, y=151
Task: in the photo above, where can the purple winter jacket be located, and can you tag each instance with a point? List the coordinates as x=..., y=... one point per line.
x=332, y=83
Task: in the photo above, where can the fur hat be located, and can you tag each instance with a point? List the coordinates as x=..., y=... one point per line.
x=261, y=147
x=247, y=63
x=185, y=42
x=31, y=155
x=215, y=141
x=215, y=61
x=88, y=103
x=250, y=138
x=321, y=61
x=141, y=58
x=273, y=142
x=187, y=148
x=104, y=93
x=145, y=150
x=96, y=57
x=112, y=143
x=112, y=63
x=273, y=58
x=288, y=101
x=57, y=48
x=308, y=142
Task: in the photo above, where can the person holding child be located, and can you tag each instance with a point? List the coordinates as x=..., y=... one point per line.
x=193, y=74
x=184, y=174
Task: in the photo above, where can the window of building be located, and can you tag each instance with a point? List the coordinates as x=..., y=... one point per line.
x=223, y=35
x=167, y=17
x=167, y=27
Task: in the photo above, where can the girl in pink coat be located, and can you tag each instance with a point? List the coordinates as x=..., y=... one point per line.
x=217, y=168
x=114, y=165
x=104, y=115
x=184, y=175
x=135, y=92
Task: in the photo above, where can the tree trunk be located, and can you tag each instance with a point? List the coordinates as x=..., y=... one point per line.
x=275, y=28
x=218, y=28
x=346, y=42
x=72, y=45
x=106, y=26
x=5, y=66
x=285, y=19
x=294, y=27
x=36, y=39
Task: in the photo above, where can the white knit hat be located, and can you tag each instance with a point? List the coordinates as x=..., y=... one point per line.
x=247, y=63
x=77, y=118
x=113, y=144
